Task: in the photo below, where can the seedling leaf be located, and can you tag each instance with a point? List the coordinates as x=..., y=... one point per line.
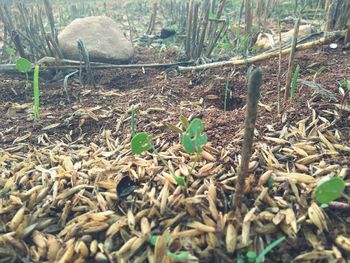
x=141, y=142
x=267, y=249
x=180, y=180
x=294, y=81
x=184, y=121
x=329, y=190
x=251, y=256
x=181, y=256
x=23, y=65
x=194, y=138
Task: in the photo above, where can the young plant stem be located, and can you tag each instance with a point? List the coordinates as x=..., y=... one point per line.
x=166, y=165
x=194, y=164
x=133, y=131
x=279, y=69
x=36, y=93
x=291, y=60
x=254, y=83
x=226, y=94
x=347, y=197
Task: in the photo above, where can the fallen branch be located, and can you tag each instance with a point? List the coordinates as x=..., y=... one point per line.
x=326, y=39
x=66, y=64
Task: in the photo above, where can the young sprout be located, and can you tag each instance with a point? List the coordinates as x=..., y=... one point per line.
x=330, y=189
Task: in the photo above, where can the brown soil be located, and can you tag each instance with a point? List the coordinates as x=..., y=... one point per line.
x=169, y=93
x=160, y=97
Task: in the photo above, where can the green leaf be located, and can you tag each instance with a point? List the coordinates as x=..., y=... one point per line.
x=194, y=138
x=267, y=249
x=251, y=256
x=173, y=128
x=294, y=81
x=10, y=51
x=270, y=182
x=181, y=256
x=23, y=65
x=141, y=142
x=329, y=190
x=184, y=121
x=153, y=240
x=180, y=180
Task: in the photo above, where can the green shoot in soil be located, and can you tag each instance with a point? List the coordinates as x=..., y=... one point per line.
x=330, y=189
x=24, y=66
x=192, y=140
x=294, y=81
x=267, y=249
x=133, y=130
x=36, y=93
x=226, y=95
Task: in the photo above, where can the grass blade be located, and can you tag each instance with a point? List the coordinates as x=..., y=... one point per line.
x=294, y=82
x=267, y=249
x=36, y=93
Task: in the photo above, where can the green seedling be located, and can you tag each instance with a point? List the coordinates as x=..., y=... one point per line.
x=36, y=93
x=345, y=84
x=184, y=121
x=194, y=139
x=330, y=189
x=133, y=130
x=294, y=81
x=180, y=256
x=251, y=257
x=24, y=66
x=267, y=249
x=226, y=96
x=11, y=53
x=141, y=142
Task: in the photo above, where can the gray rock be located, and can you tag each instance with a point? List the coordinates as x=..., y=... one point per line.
x=102, y=38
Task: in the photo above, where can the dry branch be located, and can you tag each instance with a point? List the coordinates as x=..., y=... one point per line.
x=324, y=40
x=254, y=83
x=66, y=64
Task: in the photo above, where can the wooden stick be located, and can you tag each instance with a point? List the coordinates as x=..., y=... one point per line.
x=264, y=56
x=65, y=64
x=254, y=83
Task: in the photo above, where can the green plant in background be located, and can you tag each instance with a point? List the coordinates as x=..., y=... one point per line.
x=346, y=93
x=294, y=81
x=11, y=53
x=226, y=96
x=24, y=66
x=36, y=93
x=330, y=189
